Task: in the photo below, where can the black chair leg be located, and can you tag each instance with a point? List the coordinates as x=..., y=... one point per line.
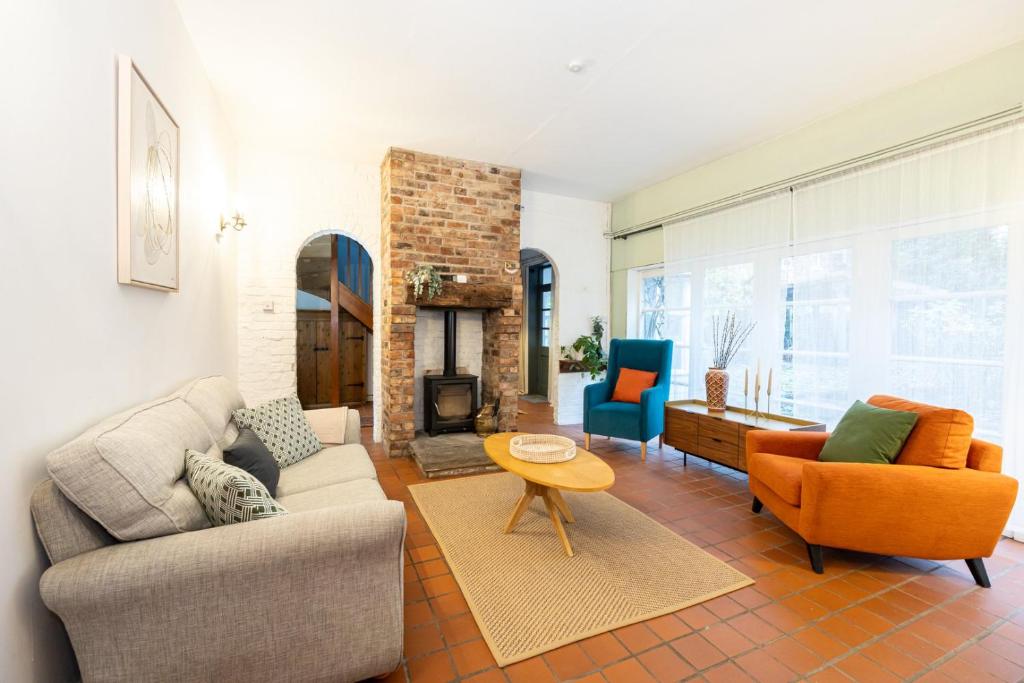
x=977, y=567
x=756, y=505
x=814, y=555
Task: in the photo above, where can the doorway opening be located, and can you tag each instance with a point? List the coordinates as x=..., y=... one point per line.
x=334, y=325
x=540, y=330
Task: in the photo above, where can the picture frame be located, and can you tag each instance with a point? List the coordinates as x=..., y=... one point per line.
x=148, y=182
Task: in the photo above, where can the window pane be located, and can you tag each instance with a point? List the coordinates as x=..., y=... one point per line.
x=813, y=382
x=953, y=327
x=948, y=322
x=545, y=337
x=965, y=261
x=728, y=289
x=545, y=300
x=652, y=325
x=545, y=319
x=545, y=275
x=677, y=291
x=653, y=292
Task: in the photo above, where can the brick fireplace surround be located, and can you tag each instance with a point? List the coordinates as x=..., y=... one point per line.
x=462, y=217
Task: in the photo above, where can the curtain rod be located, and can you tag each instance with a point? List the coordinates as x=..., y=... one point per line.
x=977, y=125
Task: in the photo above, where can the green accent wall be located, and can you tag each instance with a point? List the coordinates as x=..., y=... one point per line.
x=984, y=86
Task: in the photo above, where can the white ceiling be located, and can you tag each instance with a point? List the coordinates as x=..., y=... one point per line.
x=669, y=84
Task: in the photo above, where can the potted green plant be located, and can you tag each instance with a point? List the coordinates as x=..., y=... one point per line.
x=586, y=353
x=424, y=276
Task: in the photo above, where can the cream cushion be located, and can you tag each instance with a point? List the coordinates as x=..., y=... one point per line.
x=332, y=465
x=329, y=424
x=126, y=472
x=335, y=495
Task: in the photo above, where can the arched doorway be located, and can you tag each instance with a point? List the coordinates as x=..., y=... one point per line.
x=334, y=324
x=540, y=348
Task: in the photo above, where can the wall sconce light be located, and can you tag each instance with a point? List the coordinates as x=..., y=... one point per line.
x=237, y=222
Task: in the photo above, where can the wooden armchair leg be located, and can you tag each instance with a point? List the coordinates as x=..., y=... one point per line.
x=978, y=571
x=643, y=451
x=586, y=442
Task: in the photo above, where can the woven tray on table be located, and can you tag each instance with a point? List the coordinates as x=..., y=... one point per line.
x=542, y=448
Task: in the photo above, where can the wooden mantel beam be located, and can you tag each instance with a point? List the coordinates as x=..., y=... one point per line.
x=466, y=295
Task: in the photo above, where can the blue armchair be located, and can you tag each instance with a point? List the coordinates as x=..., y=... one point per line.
x=642, y=421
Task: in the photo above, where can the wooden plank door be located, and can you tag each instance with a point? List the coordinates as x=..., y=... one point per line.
x=353, y=359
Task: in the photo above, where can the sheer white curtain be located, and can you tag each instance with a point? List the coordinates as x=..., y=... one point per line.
x=905, y=277
x=719, y=257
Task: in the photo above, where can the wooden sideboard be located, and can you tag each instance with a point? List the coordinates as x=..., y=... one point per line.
x=721, y=436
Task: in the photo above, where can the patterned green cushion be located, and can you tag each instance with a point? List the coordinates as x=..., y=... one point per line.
x=282, y=427
x=228, y=494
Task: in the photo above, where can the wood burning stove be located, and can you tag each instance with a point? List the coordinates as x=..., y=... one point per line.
x=449, y=399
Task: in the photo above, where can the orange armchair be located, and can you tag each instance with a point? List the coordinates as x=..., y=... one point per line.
x=914, y=510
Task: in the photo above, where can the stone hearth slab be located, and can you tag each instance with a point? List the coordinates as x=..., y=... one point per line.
x=447, y=455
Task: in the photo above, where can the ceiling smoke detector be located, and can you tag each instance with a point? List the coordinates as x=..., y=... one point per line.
x=575, y=66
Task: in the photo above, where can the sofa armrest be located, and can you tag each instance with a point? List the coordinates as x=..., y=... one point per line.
x=313, y=595
x=329, y=428
x=805, y=445
x=926, y=512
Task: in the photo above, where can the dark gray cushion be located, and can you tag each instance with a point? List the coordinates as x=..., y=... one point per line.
x=252, y=455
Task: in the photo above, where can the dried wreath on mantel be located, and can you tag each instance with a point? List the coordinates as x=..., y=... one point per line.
x=424, y=275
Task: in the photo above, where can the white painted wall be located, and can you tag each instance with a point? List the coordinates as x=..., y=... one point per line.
x=288, y=200
x=77, y=346
x=571, y=233
x=429, y=348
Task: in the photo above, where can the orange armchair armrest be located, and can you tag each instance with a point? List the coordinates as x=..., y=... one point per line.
x=985, y=456
x=806, y=445
x=925, y=512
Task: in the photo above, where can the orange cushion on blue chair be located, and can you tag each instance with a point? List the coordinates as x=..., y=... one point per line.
x=631, y=383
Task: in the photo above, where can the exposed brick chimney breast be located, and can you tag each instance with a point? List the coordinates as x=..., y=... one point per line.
x=462, y=217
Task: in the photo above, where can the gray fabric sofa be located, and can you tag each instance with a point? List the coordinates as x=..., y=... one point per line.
x=148, y=591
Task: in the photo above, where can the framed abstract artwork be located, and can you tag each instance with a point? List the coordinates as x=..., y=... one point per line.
x=148, y=145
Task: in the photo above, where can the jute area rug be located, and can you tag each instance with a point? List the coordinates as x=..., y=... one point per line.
x=528, y=597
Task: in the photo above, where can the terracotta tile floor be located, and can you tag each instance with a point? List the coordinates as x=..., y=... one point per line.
x=867, y=618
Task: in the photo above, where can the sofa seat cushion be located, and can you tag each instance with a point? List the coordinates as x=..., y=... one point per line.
x=333, y=465
x=615, y=418
x=335, y=495
x=126, y=472
x=780, y=473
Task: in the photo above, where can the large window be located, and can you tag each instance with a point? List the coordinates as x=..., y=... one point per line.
x=660, y=309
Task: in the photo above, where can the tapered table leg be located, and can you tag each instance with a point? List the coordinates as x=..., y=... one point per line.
x=524, y=502
x=563, y=507
x=556, y=521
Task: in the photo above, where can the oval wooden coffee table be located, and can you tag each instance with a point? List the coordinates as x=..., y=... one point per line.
x=585, y=473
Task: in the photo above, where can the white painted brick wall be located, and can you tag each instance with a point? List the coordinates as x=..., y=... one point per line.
x=429, y=348
x=287, y=202
x=569, y=409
